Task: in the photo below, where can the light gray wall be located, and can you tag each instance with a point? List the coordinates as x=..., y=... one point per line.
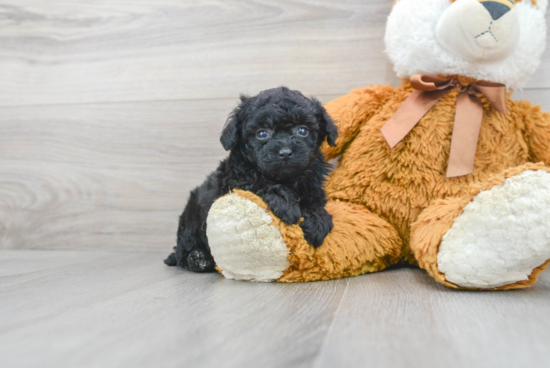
x=110, y=111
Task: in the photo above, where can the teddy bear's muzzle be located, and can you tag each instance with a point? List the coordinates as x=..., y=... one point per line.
x=479, y=30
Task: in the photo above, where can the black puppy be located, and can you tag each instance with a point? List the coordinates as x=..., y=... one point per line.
x=274, y=139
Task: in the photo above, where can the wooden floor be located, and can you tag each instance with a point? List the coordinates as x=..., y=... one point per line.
x=110, y=113
x=119, y=309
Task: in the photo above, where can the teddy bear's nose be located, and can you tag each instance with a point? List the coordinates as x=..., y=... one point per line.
x=497, y=8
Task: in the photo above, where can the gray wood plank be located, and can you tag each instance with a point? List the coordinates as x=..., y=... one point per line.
x=402, y=318
x=74, y=52
x=59, y=52
x=54, y=294
x=103, y=317
x=24, y=265
x=134, y=311
x=95, y=176
x=18, y=262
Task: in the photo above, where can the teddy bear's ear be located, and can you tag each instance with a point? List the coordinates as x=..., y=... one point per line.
x=230, y=133
x=329, y=129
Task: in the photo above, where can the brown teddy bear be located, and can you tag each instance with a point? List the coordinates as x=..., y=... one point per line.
x=445, y=171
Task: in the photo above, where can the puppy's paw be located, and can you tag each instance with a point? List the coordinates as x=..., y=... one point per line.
x=313, y=238
x=316, y=227
x=198, y=261
x=171, y=260
x=283, y=203
x=289, y=214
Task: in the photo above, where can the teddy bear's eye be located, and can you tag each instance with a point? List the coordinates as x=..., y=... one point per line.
x=262, y=134
x=302, y=131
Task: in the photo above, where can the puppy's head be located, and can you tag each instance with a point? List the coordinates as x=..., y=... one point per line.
x=279, y=131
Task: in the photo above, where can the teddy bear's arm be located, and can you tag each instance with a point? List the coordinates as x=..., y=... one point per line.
x=351, y=111
x=537, y=132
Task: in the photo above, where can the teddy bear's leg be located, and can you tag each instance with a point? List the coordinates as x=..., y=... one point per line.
x=360, y=242
x=496, y=237
x=248, y=242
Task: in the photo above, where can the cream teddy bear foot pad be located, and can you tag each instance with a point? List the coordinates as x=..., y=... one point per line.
x=502, y=235
x=245, y=242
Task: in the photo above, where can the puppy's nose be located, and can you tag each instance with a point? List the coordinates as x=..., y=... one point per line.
x=497, y=8
x=285, y=153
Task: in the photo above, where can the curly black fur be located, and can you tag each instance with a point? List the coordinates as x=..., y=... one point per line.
x=272, y=157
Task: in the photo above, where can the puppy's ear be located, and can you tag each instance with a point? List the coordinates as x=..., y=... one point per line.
x=230, y=133
x=329, y=129
x=231, y=130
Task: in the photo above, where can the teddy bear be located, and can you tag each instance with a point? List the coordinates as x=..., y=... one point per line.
x=446, y=171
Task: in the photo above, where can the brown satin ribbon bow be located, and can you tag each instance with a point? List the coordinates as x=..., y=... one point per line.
x=468, y=116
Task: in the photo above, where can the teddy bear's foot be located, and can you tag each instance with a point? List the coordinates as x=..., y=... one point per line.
x=498, y=239
x=502, y=236
x=244, y=241
x=249, y=242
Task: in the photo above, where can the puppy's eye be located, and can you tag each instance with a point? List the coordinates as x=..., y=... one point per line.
x=262, y=134
x=302, y=131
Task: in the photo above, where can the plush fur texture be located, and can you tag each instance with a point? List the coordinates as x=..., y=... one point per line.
x=274, y=141
x=396, y=205
x=413, y=47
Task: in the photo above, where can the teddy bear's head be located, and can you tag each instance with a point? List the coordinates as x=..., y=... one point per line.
x=495, y=40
